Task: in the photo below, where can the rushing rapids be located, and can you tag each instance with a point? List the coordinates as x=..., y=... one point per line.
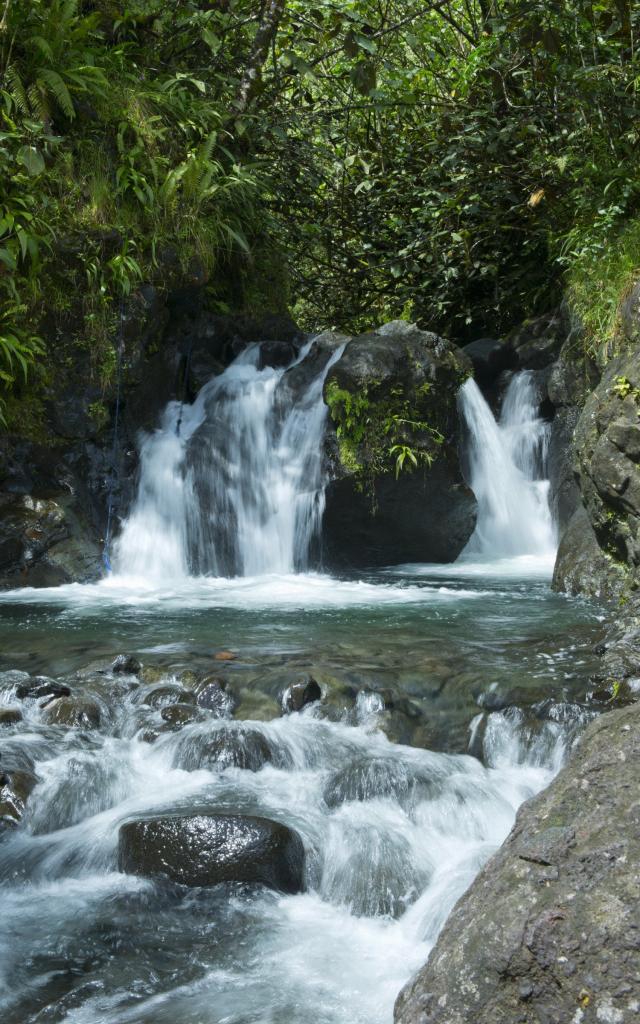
x=417, y=670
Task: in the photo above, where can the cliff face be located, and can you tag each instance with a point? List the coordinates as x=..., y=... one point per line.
x=549, y=931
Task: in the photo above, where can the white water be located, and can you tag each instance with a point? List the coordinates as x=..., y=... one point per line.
x=234, y=484
x=507, y=461
x=393, y=837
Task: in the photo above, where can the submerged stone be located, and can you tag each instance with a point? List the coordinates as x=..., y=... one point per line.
x=296, y=697
x=75, y=712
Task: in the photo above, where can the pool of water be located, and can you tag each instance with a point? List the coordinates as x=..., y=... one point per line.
x=419, y=665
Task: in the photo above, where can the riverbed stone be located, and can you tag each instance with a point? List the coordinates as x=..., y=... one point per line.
x=549, y=930
x=16, y=785
x=298, y=695
x=225, y=746
x=163, y=696
x=206, y=849
x=10, y=716
x=73, y=712
x=40, y=687
x=176, y=715
x=126, y=664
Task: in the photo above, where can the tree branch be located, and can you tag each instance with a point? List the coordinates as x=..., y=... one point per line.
x=267, y=29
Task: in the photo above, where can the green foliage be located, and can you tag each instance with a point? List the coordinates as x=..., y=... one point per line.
x=378, y=432
x=453, y=162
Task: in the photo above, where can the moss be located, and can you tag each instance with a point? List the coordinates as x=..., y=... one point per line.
x=381, y=431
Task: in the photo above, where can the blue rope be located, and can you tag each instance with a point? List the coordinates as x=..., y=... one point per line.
x=107, y=537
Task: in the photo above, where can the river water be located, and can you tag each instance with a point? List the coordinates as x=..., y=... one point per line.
x=421, y=667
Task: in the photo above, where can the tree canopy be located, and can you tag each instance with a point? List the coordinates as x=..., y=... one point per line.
x=452, y=161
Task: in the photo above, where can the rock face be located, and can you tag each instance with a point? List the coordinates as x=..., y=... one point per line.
x=392, y=395
x=206, y=849
x=550, y=929
x=58, y=478
x=607, y=454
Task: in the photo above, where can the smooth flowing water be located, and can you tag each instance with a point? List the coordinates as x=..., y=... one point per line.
x=420, y=667
x=507, y=462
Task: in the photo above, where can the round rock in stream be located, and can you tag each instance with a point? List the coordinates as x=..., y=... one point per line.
x=206, y=849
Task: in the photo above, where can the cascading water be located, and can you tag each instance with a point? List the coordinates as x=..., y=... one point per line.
x=233, y=485
x=507, y=466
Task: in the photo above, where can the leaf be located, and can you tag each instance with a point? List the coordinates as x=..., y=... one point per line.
x=212, y=40
x=32, y=159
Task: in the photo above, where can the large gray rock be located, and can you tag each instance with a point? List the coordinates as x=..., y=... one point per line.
x=396, y=387
x=607, y=454
x=549, y=932
x=206, y=849
x=582, y=567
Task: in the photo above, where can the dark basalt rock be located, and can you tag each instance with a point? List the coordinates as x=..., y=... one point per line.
x=548, y=931
x=73, y=712
x=16, y=785
x=276, y=353
x=41, y=687
x=10, y=716
x=214, y=697
x=489, y=357
x=126, y=664
x=297, y=696
x=425, y=516
x=225, y=746
x=176, y=715
x=206, y=849
x=372, y=517
x=163, y=696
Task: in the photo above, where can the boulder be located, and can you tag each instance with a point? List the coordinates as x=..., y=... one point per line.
x=213, y=696
x=39, y=687
x=582, y=567
x=206, y=849
x=163, y=696
x=126, y=664
x=17, y=780
x=536, y=343
x=392, y=400
x=276, y=353
x=607, y=448
x=630, y=314
x=73, y=712
x=489, y=357
x=548, y=931
x=176, y=715
x=297, y=696
x=226, y=746
x=10, y=716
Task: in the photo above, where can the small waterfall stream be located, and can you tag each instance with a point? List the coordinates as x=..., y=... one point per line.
x=394, y=827
x=234, y=484
x=507, y=470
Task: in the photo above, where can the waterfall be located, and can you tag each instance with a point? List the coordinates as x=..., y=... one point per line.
x=234, y=484
x=507, y=467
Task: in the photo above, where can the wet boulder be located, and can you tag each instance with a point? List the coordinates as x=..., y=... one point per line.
x=276, y=353
x=126, y=664
x=297, y=696
x=372, y=778
x=164, y=696
x=206, y=849
x=73, y=712
x=17, y=780
x=548, y=931
x=10, y=716
x=214, y=696
x=42, y=687
x=175, y=716
x=397, y=493
x=228, y=746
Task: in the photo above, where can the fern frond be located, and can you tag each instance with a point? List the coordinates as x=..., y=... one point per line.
x=59, y=91
x=17, y=90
